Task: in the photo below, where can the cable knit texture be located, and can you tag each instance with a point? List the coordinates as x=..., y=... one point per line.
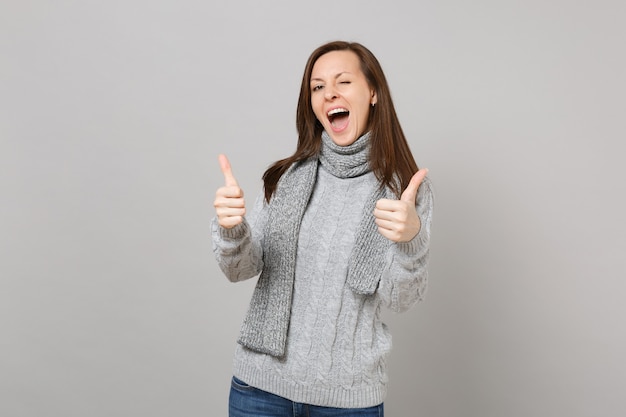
x=266, y=324
x=336, y=350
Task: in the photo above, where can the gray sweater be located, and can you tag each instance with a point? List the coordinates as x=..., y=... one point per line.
x=337, y=345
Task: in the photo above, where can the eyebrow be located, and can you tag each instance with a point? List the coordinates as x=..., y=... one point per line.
x=336, y=76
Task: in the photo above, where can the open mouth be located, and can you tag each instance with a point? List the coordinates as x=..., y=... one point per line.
x=338, y=118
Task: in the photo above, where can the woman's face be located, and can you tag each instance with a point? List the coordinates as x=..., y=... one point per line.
x=340, y=96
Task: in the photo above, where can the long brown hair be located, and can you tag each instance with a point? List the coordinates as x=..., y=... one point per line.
x=390, y=157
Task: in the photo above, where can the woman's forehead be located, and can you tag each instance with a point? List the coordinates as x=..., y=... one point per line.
x=336, y=62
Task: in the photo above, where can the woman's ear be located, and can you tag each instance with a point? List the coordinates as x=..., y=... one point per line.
x=374, y=99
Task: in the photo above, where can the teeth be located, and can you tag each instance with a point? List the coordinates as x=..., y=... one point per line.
x=335, y=111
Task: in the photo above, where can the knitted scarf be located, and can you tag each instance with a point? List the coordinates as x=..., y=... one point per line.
x=266, y=324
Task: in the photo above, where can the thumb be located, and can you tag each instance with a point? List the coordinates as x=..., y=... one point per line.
x=410, y=193
x=229, y=178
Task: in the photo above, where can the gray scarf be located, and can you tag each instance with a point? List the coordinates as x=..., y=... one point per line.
x=265, y=326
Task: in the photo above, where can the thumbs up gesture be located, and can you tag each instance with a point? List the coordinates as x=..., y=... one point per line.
x=229, y=203
x=397, y=220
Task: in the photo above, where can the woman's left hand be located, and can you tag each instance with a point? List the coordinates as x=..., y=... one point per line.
x=397, y=220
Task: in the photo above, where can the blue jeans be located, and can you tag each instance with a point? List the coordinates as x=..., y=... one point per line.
x=247, y=401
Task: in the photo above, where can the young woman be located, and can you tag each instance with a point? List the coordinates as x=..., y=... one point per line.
x=341, y=229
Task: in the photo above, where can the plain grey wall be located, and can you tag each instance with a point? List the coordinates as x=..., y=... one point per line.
x=112, y=115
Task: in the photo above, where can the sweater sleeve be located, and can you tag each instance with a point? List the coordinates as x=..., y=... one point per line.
x=239, y=250
x=405, y=279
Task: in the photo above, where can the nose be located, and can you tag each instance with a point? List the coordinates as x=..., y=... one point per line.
x=330, y=93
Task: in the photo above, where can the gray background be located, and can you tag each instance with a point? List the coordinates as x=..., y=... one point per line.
x=112, y=115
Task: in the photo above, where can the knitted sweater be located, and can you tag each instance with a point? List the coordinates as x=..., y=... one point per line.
x=337, y=345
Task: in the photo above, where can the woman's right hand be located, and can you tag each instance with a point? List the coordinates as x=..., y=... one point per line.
x=229, y=203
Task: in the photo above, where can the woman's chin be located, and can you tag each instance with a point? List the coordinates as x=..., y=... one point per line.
x=345, y=137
